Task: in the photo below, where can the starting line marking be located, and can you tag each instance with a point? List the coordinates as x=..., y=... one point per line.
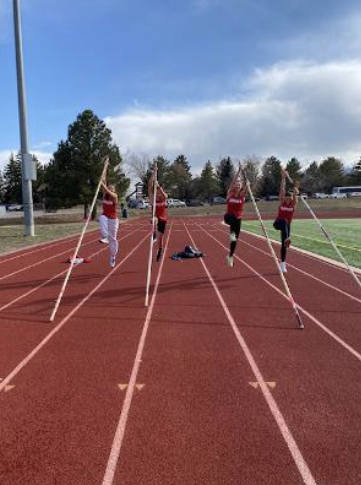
x=296, y=453
x=256, y=385
x=122, y=387
x=123, y=418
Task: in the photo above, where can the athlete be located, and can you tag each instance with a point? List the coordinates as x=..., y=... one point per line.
x=236, y=197
x=286, y=209
x=108, y=221
x=160, y=212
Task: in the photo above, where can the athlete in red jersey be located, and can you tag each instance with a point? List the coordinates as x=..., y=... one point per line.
x=160, y=212
x=286, y=210
x=235, y=201
x=108, y=221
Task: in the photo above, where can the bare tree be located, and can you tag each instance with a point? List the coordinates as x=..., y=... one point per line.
x=252, y=165
x=138, y=164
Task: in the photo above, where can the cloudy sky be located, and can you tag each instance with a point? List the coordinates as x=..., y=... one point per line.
x=206, y=78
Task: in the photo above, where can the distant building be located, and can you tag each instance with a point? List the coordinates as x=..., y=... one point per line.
x=139, y=190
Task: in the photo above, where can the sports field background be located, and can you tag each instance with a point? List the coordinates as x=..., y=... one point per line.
x=305, y=234
x=346, y=231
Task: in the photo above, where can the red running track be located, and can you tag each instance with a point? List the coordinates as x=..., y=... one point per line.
x=112, y=392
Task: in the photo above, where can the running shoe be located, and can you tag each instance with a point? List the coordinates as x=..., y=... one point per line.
x=104, y=240
x=233, y=237
x=112, y=261
x=283, y=267
x=159, y=254
x=230, y=261
x=287, y=242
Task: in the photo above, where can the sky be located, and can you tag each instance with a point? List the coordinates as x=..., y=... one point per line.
x=206, y=78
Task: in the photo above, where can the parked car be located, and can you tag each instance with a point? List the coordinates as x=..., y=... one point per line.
x=218, y=200
x=14, y=208
x=272, y=197
x=321, y=195
x=304, y=196
x=354, y=194
x=338, y=196
x=132, y=203
x=138, y=204
x=176, y=203
x=143, y=204
x=195, y=203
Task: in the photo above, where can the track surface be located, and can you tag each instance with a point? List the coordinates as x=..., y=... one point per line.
x=113, y=392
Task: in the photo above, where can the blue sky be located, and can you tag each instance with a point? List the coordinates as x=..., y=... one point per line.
x=204, y=77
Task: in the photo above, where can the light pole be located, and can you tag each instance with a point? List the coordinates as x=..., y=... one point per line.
x=27, y=164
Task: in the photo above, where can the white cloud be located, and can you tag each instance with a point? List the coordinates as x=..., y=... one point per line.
x=4, y=157
x=298, y=109
x=43, y=157
x=43, y=144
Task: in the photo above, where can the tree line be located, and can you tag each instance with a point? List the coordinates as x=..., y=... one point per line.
x=72, y=174
x=265, y=176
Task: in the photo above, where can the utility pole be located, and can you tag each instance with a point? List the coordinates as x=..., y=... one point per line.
x=27, y=163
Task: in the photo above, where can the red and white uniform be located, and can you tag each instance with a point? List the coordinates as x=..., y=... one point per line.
x=235, y=205
x=109, y=208
x=161, y=208
x=109, y=223
x=286, y=210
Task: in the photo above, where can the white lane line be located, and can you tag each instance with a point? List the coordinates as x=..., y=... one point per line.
x=32, y=354
x=119, y=434
x=43, y=261
x=280, y=420
x=311, y=317
x=7, y=305
x=335, y=288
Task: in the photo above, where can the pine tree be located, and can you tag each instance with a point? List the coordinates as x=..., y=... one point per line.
x=208, y=185
x=13, y=180
x=271, y=177
x=73, y=174
x=163, y=166
x=331, y=173
x=355, y=176
x=294, y=169
x=225, y=172
x=2, y=188
x=180, y=177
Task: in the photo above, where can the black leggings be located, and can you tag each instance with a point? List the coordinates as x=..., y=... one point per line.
x=285, y=228
x=234, y=226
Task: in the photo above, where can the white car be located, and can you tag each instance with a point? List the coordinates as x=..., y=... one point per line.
x=354, y=194
x=143, y=205
x=338, y=196
x=320, y=195
x=175, y=203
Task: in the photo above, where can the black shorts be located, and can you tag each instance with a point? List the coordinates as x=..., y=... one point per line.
x=161, y=226
x=282, y=225
x=234, y=223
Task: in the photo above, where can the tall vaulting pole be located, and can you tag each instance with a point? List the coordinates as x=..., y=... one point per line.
x=27, y=164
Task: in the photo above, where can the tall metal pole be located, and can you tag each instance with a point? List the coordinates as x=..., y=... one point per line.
x=25, y=156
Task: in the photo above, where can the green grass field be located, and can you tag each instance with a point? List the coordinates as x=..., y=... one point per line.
x=305, y=234
x=12, y=237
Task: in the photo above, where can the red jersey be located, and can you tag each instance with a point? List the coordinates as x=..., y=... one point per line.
x=286, y=210
x=109, y=207
x=235, y=205
x=161, y=208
